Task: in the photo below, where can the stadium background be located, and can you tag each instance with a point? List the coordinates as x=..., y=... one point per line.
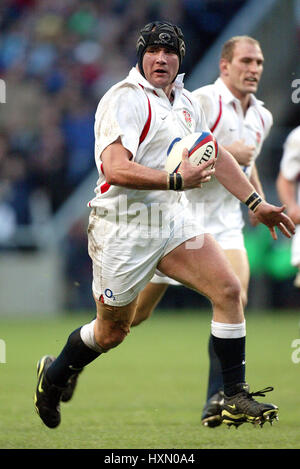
x=56, y=61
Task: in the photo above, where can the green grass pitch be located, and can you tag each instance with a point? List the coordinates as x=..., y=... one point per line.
x=148, y=393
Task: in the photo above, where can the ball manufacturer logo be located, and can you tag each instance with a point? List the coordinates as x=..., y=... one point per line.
x=207, y=154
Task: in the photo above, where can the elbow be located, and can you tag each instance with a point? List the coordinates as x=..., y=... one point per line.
x=114, y=176
x=112, y=179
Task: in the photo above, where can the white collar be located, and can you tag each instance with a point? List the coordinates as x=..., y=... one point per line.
x=137, y=78
x=228, y=97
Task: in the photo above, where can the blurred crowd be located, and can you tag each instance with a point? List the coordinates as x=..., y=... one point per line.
x=57, y=59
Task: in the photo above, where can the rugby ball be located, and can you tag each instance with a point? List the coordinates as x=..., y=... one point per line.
x=202, y=146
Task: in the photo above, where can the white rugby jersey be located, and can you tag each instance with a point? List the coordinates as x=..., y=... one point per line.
x=290, y=162
x=290, y=169
x=225, y=118
x=145, y=120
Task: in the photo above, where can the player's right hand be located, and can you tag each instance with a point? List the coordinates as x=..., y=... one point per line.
x=195, y=176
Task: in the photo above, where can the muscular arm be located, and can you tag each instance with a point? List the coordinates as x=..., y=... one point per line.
x=231, y=177
x=234, y=180
x=119, y=170
x=255, y=181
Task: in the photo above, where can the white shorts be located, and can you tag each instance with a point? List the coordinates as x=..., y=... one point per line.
x=230, y=239
x=158, y=277
x=124, y=258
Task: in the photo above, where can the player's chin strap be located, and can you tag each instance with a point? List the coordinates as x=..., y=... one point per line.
x=253, y=201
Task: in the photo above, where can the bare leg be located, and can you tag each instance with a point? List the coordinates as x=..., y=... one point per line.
x=209, y=272
x=148, y=299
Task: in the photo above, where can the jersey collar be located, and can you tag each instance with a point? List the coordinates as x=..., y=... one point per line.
x=228, y=97
x=137, y=78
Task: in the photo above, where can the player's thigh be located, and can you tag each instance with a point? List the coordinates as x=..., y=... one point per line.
x=203, y=267
x=239, y=261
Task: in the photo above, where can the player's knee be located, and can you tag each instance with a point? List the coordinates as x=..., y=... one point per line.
x=244, y=297
x=112, y=324
x=112, y=336
x=231, y=292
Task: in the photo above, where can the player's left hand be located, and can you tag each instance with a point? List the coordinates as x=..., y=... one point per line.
x=272, y=216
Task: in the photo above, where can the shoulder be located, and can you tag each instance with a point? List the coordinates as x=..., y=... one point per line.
x=294, y=137
x=290, y=162
x=209, y=100
x=207, y=90
x=124, y=89
x=206, y=95
x=124, y=96
x=291, y=145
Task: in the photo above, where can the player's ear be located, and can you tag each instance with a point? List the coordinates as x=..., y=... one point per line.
x=223, y=65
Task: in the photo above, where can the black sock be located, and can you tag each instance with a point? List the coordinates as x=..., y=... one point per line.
x=215, y=377
x=231, y=353
x=74, y=356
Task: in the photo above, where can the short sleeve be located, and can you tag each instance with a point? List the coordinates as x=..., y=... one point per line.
x=121, y=113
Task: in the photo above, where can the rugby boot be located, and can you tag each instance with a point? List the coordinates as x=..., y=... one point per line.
x=68, y=392
x=47, y=396
x=241, y=407
x=211, y=415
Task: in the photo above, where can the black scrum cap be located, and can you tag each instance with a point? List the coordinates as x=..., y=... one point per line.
x=160, y=34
